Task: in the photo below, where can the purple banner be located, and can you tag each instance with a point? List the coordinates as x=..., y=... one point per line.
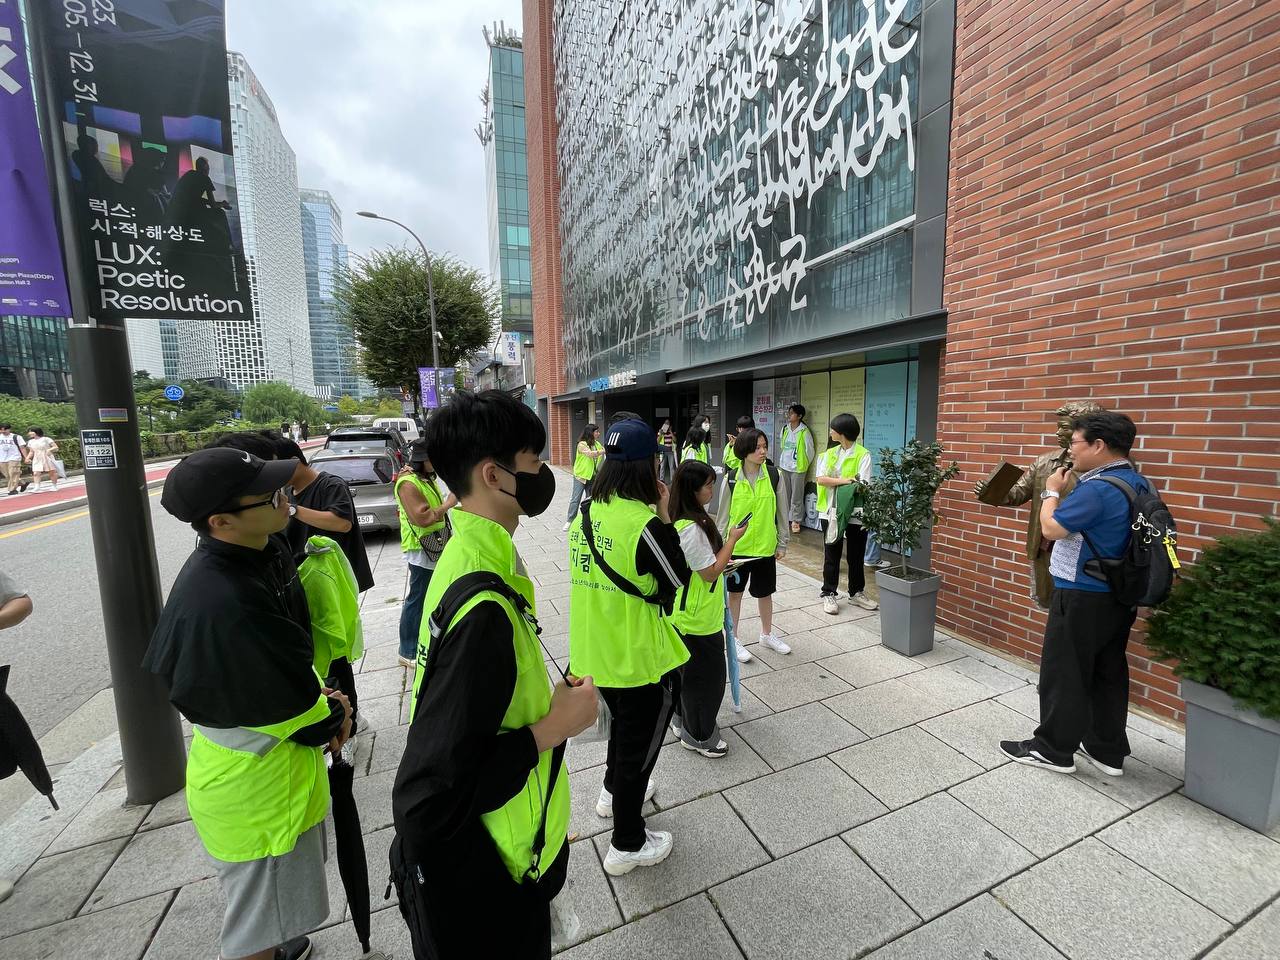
x=427, y=388
x=31, y=278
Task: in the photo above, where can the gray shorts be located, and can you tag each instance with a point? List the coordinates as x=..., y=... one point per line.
x=274, y=899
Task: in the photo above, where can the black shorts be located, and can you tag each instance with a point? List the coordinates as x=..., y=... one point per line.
x=760, y=572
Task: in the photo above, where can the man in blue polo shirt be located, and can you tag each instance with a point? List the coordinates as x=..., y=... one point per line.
x=1084, y=675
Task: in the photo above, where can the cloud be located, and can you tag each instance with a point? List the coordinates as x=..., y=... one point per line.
x=379, y=99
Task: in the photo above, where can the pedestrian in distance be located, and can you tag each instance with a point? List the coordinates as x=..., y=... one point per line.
x=844, y=464
x=731, y=461
x=237, y=657
x=284, y=431
x=306, y=431
x=698, y=615
x=667, y=455
x=295, y=432
x=481, y=798
x=15, y=606
x=586, y=461
x=749, y=497
x=40, y=454
x=797, y=454
x=695, y=446
x=13, y=453
x=424, y=531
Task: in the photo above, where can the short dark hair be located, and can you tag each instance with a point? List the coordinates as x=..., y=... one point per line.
x=628, y=479
x=624, y=415
x=6, y=426
x=1114, y=429
x=746, y=423
x=696, y=437
x=474, y=427
x=250, y=442
x=798, y=408
x=847, y=425
x=747, y=442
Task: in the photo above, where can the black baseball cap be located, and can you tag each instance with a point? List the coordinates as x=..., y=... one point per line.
x=630, y=440
x=210, y=479
x=418, y=452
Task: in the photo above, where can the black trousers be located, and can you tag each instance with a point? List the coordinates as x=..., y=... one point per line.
x=1084, y=678
x=344, y=678
x=640, y=716
x=855, y=543
x=702, y=680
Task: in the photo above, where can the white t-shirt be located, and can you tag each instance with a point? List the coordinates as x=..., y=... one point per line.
x=864, y=474
x=11, y=447
x=697, y=547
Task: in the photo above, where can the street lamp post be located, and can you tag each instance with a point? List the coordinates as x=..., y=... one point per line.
x=431, y=293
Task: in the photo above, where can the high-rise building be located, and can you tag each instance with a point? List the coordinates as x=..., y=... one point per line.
x=190, y=351
x=334, y=352
x=277, y=344
x=33, y=358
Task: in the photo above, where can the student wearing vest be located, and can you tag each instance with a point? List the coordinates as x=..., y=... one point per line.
x=478, y=785
x=731, y=460
x=423, y=519
x=844, y=464
x=586, y=461
x=625, y=569
x=695, y=446
x=797, y=455
x=750, y=494
x=699, y=610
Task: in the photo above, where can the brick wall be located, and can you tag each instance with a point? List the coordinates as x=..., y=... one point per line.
x=544, y=216
x=1114, y=233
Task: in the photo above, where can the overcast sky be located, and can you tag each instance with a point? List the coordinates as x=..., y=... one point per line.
x=379, y=100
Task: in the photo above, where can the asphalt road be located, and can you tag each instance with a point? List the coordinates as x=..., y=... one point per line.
x=59, y=654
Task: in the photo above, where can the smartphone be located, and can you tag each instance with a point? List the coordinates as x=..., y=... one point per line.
x=743, y=522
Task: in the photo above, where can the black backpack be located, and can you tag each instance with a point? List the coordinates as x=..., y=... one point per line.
x=1143, y=575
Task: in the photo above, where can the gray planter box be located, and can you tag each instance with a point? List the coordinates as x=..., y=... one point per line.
x=1233, y=758
x=908, y=609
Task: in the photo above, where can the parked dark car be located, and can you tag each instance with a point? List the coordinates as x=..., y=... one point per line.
x=368, y=440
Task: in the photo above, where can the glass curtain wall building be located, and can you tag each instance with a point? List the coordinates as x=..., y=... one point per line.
x=33, y=358
x=333, y=344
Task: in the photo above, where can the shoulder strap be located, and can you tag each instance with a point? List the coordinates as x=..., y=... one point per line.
x=773, y=476
x=540, y=838
x=1129, y=494
x=618, y=580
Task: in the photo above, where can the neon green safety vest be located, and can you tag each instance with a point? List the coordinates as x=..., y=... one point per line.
x=615, y=638
x=333, y=597
x=480, y=544
x=699, y=609
x=848, y=469
x=701, y=453
x=761, y=501
x=410, y=532
x=731, y=461
x=252, y=791
x=802, y=448
x=584, y=467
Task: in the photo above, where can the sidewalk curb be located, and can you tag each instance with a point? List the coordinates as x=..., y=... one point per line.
x=45, y=509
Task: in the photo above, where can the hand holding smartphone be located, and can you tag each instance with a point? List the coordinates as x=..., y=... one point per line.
x=741, y=524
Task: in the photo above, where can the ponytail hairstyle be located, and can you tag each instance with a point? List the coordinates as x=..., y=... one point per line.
x=691, y=476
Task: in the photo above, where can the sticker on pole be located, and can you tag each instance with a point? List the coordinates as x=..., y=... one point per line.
x=174, y=392
x=98, y=448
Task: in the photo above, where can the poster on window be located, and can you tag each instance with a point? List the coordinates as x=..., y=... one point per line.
x=762, y=410
x=142, y=91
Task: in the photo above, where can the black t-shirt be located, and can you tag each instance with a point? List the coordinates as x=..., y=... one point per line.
x=328, y=493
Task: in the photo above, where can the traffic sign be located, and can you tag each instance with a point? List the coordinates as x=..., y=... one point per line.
x=174, y=392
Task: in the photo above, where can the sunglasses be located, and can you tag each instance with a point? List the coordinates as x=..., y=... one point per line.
x=273, y=500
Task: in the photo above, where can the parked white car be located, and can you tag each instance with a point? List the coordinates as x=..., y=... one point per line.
x=406, y=425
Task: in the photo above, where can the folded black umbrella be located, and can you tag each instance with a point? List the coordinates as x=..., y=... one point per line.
x=18, y=747
x=352, y=866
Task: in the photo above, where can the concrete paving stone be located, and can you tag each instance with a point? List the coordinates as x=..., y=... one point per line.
x=55, y=887
x=105, y=817
x=555, y=646
x=588, y=893
x=904, y=766
x=1229, y=868
x=579, y=755
x=79, y=730
x=846, y=613
x=383, y=632
x=997, y=680
x=799, y=734
x=788, y=688
x=1158, y=730
x=805, y=647
x=1140, y=785
x=820, y=902
x=1018, y=669
x=121, y=933
x=584, y=791
x=1042, y=810
x=755, y=666
x=382, y=657
x=193, y=925
x=796, y=622
x=976, y=731
x=382, y=683
x=802, y=805
x=1132, y=915
x=752, y=707
x=683, y=775
x=382, y=713
x=689, y=930
x=373, y=799
x=796, y=597
x=852, y=635
x=981, y=928
x=1259, y=939
x=1024, y=700
x=943, y=651
x=747, y=628
x=952, y=688
x=711, y=844
x=884, y=707
x=162, y=859
x=937, y=853
x=1164, y=757
x=554, y=590
x=862, y=668
x=377, y=848
x=387, y=932
x=172, y=809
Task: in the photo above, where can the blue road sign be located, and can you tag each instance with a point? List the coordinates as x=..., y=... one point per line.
x=174, y=392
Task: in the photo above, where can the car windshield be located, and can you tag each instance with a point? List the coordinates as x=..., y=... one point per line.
x=358, y=470
x=358, y=443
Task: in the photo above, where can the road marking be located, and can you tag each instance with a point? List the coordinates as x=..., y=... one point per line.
x=58, y=520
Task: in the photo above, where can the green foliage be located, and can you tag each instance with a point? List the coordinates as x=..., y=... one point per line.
x=1221, y=623
x=347, y=406
x=383, y=298
x=278, y=402
x=898, y=507
x=55, y=419
x=201, y=407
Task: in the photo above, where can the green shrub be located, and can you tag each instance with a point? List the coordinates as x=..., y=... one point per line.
x=55, y=419
x=898, y=507
x=1221, y=623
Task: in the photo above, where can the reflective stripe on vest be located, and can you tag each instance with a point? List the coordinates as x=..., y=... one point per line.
x=699, y=607
x=431, y=493
x=761, y=501
x=848, y=469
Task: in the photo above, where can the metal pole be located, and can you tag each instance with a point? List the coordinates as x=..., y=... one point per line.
x=119, y=508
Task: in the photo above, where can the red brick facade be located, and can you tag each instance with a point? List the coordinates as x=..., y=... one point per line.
x=1114, y=233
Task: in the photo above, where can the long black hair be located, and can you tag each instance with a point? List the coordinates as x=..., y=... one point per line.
x=589, y=435
x=691, y=476
x=628, y=479
x=696, y=437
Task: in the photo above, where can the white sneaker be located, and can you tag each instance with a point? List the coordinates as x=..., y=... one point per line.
x=604, y=806
x=1109, y=770
x=830, y=604
x=773, y=643
x=865, y=602
x=744, y=655
x=657, y=847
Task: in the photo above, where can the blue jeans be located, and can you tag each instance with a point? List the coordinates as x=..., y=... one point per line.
x=411, y=612
x=872, y=556
x=579, y=488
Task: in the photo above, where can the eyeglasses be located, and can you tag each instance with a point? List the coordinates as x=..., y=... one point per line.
x=274, y=500
x=1074, y=442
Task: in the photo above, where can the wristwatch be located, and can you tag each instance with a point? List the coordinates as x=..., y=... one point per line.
x=1051, y=495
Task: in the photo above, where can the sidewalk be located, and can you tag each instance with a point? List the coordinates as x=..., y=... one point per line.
x=863, y=810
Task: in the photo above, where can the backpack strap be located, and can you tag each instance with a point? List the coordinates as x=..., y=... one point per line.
x=1129, y=494
x=618, y=580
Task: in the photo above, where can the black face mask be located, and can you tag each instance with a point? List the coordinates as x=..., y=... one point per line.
x=534, y=491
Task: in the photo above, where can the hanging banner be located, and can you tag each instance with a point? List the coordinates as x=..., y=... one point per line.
x=427, y=391
x=447, y=383
x=146, y=137
x=31, y=280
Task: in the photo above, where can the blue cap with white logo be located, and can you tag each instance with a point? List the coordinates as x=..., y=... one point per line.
x=629, y=440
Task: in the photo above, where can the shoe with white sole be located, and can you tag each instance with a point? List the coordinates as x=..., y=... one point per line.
x=830, y=604
x=771, y=641
x=744, y=655
x=1019, y=751
x=715, y=753
x=1109, y=770
x=604, y=806
x=865, y=602
x=657, y=847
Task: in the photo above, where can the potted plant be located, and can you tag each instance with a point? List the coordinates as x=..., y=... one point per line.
x=898, y=509
x=1221, y=624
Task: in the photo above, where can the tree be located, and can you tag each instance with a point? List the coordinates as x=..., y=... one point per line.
x=201, y=406
x=347, y=406
x=278, y=402
x=898, y=507
x=383, y=298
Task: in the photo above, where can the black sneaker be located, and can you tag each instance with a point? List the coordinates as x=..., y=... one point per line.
x=1019, y=751
x=22, y=488
x=715, y=753
x=1106, y=768
x=299, y=948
